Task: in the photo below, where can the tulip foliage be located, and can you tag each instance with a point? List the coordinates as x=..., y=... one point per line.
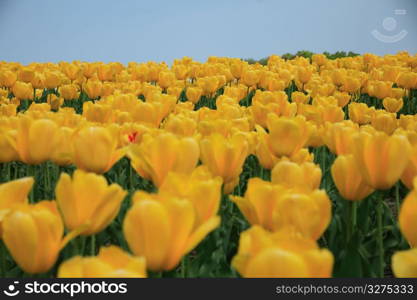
x=300, y=167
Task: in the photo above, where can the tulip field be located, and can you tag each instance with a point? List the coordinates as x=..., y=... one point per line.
x=296, y=167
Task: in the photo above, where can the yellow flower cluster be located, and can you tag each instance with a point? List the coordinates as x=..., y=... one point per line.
x=189, y=128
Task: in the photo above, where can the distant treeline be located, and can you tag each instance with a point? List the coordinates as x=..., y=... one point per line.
x=306, y=54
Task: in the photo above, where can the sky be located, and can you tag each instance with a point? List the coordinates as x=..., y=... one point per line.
x=162, y=30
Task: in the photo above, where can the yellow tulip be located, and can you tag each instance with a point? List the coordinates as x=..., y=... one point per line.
x=111, y=262
x=275, y=207
x=348, y=180
x=404, y=263
x=360, y=113
x=95, y=149
x=287, y=135
x=166, y=79
x=93, y=88
x=164, y=231
x=408, y=175
x=7, y=78
x=23, y=91
x=303, y=177
x=33, y=234
x=281, y=254
x=408, y=217
x=156, y=156
x=342, y=98
x=52, y=80
x=38, y=81
x=392, y=105
x=250, y=78
x=224, y=157
x=200, y=187
x=299, y=97
x=384, y=121
x=54, y=101
x=63, y=154
x=193, y=94
x=8, y=152
x=13, y=193
x=381, y=159
x=338, y=137
x=25, y=74
x=35, y=139
x=88, y=201
x=105, y=72
x=69, y=91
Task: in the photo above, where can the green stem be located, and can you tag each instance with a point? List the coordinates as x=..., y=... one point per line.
x=47, y=180
x=351, y=219
x=380, y=242
x=3, y=257
x=397, y=197
x=93, y=245
x=31, y=172
x=183, y=267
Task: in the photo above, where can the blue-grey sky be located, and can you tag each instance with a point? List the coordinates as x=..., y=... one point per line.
x=161, y=30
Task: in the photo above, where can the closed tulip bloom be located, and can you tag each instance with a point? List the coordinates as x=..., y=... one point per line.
x=111, y=262
x=250, y=78
x=199, y=187
x=95, y=149
x=303, y=177
x=338, y=137
x=384, y=121
x=360, y=113
x=166, y=79
x=392, y=105
x=287, y=135
x=342, y=98
x=300, y=97
x=157, y=155
x=8, y=151
x=35, y=139
x=23, y=91
x=225, y=157
x=93, y=88
x=408, y=217
x=34, y=236
x=193, y=94
x=13, y=193
x=52, y=80
x=404, y=263
x=69, y=91
x=348, y=180
x=408, y=175
x=382, y=158
x=105, y=72
x=25, y=74
x=281, y=254
x=54, y=101
x=38, y=81
x=88, y=201
x=275, y=207
x=7, y=78
x=63, y=154
x=164, y=231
